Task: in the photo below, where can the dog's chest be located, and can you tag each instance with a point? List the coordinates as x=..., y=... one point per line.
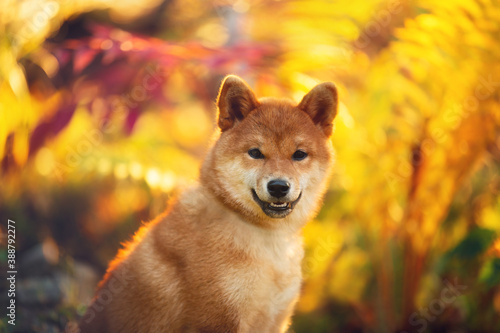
x=267, y=285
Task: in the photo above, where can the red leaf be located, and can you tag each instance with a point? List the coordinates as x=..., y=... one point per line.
x=82, y=59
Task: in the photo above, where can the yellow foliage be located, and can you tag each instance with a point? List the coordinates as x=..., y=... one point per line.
x=349, y=277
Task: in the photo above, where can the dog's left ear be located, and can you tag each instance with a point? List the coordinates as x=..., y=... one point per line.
x=321, y=105
x=235, y=101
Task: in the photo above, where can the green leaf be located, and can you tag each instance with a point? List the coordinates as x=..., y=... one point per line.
x=490, y=273
x=474, y=244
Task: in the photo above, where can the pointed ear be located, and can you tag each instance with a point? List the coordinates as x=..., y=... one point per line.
x=321, y=105
x=235, y=101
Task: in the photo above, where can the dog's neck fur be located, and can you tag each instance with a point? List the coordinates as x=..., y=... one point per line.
x=218, y=217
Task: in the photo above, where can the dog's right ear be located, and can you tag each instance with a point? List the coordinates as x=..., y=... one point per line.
x=235, y=101
x=321, y=104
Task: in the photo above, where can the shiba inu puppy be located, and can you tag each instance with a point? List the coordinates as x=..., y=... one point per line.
x=226, y=256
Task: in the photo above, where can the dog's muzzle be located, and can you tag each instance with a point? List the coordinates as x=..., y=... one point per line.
x=275, y=209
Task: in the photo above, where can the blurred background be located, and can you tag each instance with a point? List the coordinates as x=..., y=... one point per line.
x=107, y=108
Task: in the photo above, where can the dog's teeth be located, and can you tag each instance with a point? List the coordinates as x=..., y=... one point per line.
x=278, y=205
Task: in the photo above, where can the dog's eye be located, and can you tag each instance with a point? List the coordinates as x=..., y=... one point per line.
x=299, y=155
x=255, y=153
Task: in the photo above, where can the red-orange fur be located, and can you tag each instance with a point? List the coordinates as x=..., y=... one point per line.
x=214, y=262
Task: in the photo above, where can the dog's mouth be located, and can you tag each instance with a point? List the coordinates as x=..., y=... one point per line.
x=276, y=209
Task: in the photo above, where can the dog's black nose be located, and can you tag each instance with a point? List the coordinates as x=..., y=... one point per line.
x=278, y=188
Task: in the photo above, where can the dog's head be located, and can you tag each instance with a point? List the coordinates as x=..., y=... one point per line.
x=272, y=157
